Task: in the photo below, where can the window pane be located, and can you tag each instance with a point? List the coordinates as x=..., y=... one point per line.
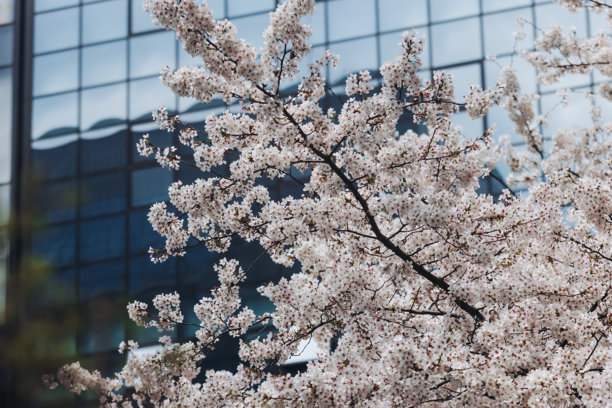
x=55, y=245
x=447, y=9
x=494, y=5
x=6, y=44
x=351, y=18
x=103, y=106
x=103, y=327
x=102, y=238
x=104, y=21
x=43, y=5
x=449, y=48
x=5, y=206
x=55, y=157
x=56, y=202
x=150, y=185
x=149, y=278
x=239, y=7
x=56, y=30
x=101, y=280
x=390, y=47
x=142, y=235
x=54, y=115
x=103, y=194
x=104, y=63
x=498, y=29
x=56, y=72
x=147, y=95
x=150, y=53
x=103, y=149
x=316, y=21
x=548, y=14
x=355, y=56
x=402, y=14
x=7, y=12
x=464, y=77
x=6, y=111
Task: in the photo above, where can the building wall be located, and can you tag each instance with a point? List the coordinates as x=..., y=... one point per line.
x=85, y=192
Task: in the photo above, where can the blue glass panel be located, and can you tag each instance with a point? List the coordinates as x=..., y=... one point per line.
x=239, y=7
x=264, y=270
x=159, y=138
x=5, y=208
x=196, y=270
x=147, y=95
x=141, y=21
x=103, y=327
x=355, y=56
x=253, y=299
x=55, y=245
x=547, y=14
x=103, y=106
x=55, y=157
x=498, y=29
x=316, y=21
x=103, y=194
x=142, y=235
x=351, y=18
x=104, y=21
x=6, y=44
x=465, y=76
x=101, y=280
x=56, y=72
x=103, y=149
x=447, y=9
x=57, y=201
x=104, y=63
x=54, y=115
x=150, y=185
x=6, y=111
x=56, y=288
x=394, y=15
x=150, y=53
x=470, y=128
x=56, y=30
x=7, y=12
x=450, y=48
x=102, y=238
x=149, y=279
x=495, y=5
x=44, y=5
x=251, y=28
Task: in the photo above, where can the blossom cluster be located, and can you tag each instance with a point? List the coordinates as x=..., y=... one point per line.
x=432, y=293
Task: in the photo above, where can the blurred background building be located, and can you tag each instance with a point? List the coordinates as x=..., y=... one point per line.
x=78, y=82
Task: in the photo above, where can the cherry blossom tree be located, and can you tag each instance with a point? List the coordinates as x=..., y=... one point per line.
x=434, y=294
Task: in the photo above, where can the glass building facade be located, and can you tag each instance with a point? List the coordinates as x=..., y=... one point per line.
x=78, y=82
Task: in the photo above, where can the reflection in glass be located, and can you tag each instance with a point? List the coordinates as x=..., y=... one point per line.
x=104, y=21
x=54, y=115
x=103, y=106
x=56, y=30
x=356, y=55
x=6, y=104
x=6, y=44
x=150, y=185
x=449, y=48
x=142, y=236
x=44, y=5
x=251, y=28
x=395, y=14
x=56, y=202
x=104, y=63
x=141, y=21
x=147, y=95
x=447, y=9
x=316, y=21
x=102, y=327
x=6, y=11
x=148, y=279
x=464, y=77
x=548, y=14
x=150, y=53
x=102, y=238
x=239, y=7
x=103, y=149
x=56, y=72
x=101, y=280
x=54, y=245
x=5, y=205
x=498, y=29
x=103, y=194
x=54, y=157
x=495, y=5
x=350, y=18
